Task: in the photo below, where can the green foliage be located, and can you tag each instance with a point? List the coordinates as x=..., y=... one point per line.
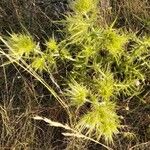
x=104, y=66
x=77, y=27
x=106, y=86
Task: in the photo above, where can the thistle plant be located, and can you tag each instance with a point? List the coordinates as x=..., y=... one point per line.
x=103, y=65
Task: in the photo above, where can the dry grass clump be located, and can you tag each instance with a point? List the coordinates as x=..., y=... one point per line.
x=35, y=16
x=132, y=14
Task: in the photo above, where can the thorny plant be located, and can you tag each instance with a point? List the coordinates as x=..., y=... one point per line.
x=106, y=65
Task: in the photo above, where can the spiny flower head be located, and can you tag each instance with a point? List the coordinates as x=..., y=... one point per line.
x=84, y=6
x=77, y=93
x=21, y=44
x=101, y=121
x=52, y=45
x=114, y=42
x=38, y=63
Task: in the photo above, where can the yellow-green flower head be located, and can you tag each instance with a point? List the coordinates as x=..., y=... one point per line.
x=65, y=54
x=84, y=6
x=21, y=44
x=38, y=63
x=52, y=44
x=115, y=42
x=77, y=94
x=146, y=41
x=101, y=121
